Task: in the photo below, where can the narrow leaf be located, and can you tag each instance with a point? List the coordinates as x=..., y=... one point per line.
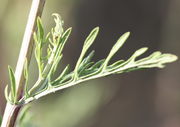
x=26, y=78
x=55, y=65
x=64, y=72
x=137, y=54
x=92, y=36
x=168, y=58
x=66, y=35
x=93, y=70
x=97, y=64
x=87, y=59
x=6, y=94
x=83, y=69
x=40, y=29
x=152, y=56
x=116, y=65
x=63, y=41
x=116, y=47
x=88, y=42
x=13, y=83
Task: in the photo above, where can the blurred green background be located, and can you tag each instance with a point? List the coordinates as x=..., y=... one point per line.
x=148, y=98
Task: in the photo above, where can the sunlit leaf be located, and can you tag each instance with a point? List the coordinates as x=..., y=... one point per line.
x=88, y=42
x=116, y=47
x=85, y=69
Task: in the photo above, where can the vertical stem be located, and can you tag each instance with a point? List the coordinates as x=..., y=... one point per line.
x=11, y=111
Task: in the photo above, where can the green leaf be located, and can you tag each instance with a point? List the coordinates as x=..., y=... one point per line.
x=47, y=37
x=35, y=38
x=97, y=65
x=63, y=41
x=115, y=48
x=84, y=68
x=54, y=65
x=66, y=35
x=92, y=70
x=64, y=73
x=115, y=65
x=6, y=94
x=13, y=84
x=40, y=30
x=65, y=79
x=26, y=78
x=86, y=60
x=88, y=42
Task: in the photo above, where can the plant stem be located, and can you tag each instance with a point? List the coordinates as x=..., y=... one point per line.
x=11, y=111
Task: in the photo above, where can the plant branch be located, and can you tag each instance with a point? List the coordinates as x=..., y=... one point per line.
x=125, y=67
x=11, y=111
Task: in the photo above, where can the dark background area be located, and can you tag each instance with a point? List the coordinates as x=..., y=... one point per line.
x=146, y=98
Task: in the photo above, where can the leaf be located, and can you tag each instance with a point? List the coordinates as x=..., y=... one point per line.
x=92, y=36
x=66, y=78
x=58, y=30
x=47, y=37
x=115, y=48
x=54, y=65
x=6, y=94
x=35, y=38
x=64, y=72
x=97, y=64
x=93, y=70
x=63, y=41
x=88, y=42
x=158, y=60
x=130, y=69
x=168, y=58
x=66, y=35
x=13, y=84
x=54, y=61
x=137, y=54
x=26, y=78
x=152, y=56
x=115, y=65
x=40, y=30
x=84, y=68
x=86, y=60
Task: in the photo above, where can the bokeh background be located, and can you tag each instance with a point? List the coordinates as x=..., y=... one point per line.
x=146, y=98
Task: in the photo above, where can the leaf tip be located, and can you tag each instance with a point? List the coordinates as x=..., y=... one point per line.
x=96, y=29
x=169, y=58
x=126, y=35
